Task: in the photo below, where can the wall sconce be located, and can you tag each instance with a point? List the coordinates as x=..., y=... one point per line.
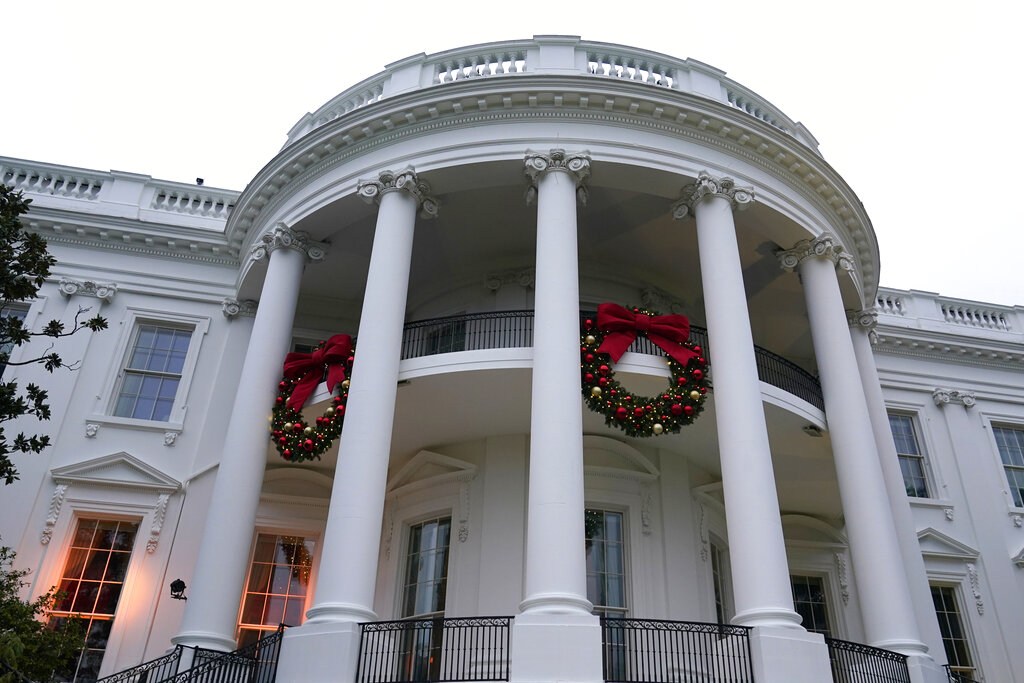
x=178, y=589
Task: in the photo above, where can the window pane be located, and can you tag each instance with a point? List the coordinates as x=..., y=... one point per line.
x=809, y=601
x=427, y=568
x=606, y=580
x=280, y=566
x=911, y=459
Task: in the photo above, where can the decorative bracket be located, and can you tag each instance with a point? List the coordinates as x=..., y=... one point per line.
x=104, y=291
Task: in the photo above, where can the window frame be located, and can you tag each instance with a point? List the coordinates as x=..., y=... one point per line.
x=1003, y=467
x=627, y=574
x=133, y=319
x=955, y=583
x=831, y=621
x=922, y=456
x=720, y=549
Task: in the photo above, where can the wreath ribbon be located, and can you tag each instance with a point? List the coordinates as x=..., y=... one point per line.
x=621, y=327
x=310, y=367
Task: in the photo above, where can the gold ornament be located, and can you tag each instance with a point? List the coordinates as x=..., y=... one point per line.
x=308, y=431
x=345, y=384
x=288, y=426
x=596, y=391
x=590, y=339
x=329, y=412
x=695, y=395
x=657, y=428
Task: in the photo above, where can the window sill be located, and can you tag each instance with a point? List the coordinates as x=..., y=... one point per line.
x=170, y=430
x=946, y=506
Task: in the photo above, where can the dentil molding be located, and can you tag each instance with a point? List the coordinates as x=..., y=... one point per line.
x=709, y=186
x=283, y=237
x=576, y=164
x=824, y=245
x=104, y=291
x=944, y=397
x=405, y=181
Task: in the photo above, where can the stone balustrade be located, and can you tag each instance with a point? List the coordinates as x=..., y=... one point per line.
x=931, y=309
x=556, y=55
x=57, y=181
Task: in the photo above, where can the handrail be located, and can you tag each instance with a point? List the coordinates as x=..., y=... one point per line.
x=254, y=663
x=514, y=329
x=152, y=671
x=956, y=676
x=857, y=663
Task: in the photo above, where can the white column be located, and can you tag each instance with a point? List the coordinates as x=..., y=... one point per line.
x=326, y=646
x=555, y=614
x=217, y=582
x=348, y=567
x=757, y=551
x=877, y=562
x=862, y=324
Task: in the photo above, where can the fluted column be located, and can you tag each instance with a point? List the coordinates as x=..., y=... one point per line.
x=217, y=582
x=348, y=565
x=555, y=578
x=883, y=593
x=760, y=574
x=862, y=325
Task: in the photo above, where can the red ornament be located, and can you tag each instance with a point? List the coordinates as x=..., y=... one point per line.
x=648, y=409
x=676, y=409
x=308, y=444
x=604, y=369
x=588, y=378
x=589, y=358
x=588, y=323
x=628, y=398
x=614, y=392
x=697, y=349
x=621, y=413
x=603, y=381
x=638, y=412
x=280, y=400
x=681, y=381
x=698, y=374
x=286, y=454
x=701, y=360
x=283, y=440
x=688, y=410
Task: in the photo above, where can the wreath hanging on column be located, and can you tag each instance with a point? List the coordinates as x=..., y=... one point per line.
x=294, y=438
x=602, y=344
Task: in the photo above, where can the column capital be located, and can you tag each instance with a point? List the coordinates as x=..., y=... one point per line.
x=283, y=237
x=232, y=308
x=104, y=291
x=824, y=245
x=709, y=186
x=576, y=164
x=943, y=397
x=866, y=319
x=405, y=181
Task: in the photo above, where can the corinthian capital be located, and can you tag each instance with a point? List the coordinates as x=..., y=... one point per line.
x=866, y=319
x=283, y=237
x=577, y=165
x=405, y=181
x=822, y=246
x=709, y=186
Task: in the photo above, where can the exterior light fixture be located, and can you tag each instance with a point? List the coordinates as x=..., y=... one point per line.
x=178, y=589
x=814, y=430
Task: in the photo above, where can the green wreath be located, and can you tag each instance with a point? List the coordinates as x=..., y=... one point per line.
x=642, y=416
x=295, y=439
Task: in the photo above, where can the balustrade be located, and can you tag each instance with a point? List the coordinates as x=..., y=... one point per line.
x=52, y=182
x=193, y=202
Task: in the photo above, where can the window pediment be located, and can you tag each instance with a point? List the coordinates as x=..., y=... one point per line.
x=120, y=470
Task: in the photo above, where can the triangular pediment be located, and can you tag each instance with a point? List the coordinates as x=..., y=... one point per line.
x=121, y=470
x=427, y=468
x=937, y=544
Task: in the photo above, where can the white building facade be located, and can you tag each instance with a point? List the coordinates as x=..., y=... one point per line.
x=855, y=472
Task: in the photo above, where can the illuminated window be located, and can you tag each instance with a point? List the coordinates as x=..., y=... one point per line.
x=153, y=372
x=278, y=585
x=91, y=582
x=1011, y=450
x=810, y=603
x=911, y=458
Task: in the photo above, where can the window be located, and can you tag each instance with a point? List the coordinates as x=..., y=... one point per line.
x=153, y=372
x=954, y=638
x=606, y=572
x=426, y=583
x=91, y=582
x=1011, y=449
x=719, y=579
x=277, y=587
x=810, y=603
x=17, y=313
x=911, y=458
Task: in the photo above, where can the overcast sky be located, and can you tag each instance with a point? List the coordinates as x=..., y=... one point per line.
x=917, y=104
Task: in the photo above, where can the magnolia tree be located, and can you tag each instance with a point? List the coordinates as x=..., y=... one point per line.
x=24, y=266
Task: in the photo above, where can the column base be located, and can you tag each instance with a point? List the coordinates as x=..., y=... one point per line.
x=205, y=639
x=788, y=655
x=769, y=617
x=556, y=647
x=320, y=653
x=556, y=603
x=333, y=612
x=923, y=669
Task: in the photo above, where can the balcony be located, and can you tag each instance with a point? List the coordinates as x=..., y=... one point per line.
x=514, y=329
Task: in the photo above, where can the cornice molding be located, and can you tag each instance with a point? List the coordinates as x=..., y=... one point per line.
x=104, y=291
x=612, y=100
x=710, y=186
x=824, y=245
x=960, y=349
x=403, y=181
x=576, y=164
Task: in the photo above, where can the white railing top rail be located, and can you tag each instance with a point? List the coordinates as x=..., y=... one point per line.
x=928, y=306
x=41, y=181
x=558, y=55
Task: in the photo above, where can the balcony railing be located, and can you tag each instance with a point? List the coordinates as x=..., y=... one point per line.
x=514, y=329
x=957, y=676
x=458, y=649
x=856, y=663
x=650, y=651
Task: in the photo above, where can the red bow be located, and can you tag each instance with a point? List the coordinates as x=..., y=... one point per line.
x=667, y=331
x=310, y=367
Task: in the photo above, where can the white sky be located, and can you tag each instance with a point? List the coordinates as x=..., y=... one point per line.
x=915, y=103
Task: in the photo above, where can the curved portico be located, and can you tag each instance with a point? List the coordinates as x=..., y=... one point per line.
x=634, y=141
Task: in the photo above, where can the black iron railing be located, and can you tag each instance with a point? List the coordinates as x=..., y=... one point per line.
x=957, y=676
x=254, y=663
x=514, y=329
x=651, y=651
x=856, y=663
x=459, y=649
x=153, y=671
